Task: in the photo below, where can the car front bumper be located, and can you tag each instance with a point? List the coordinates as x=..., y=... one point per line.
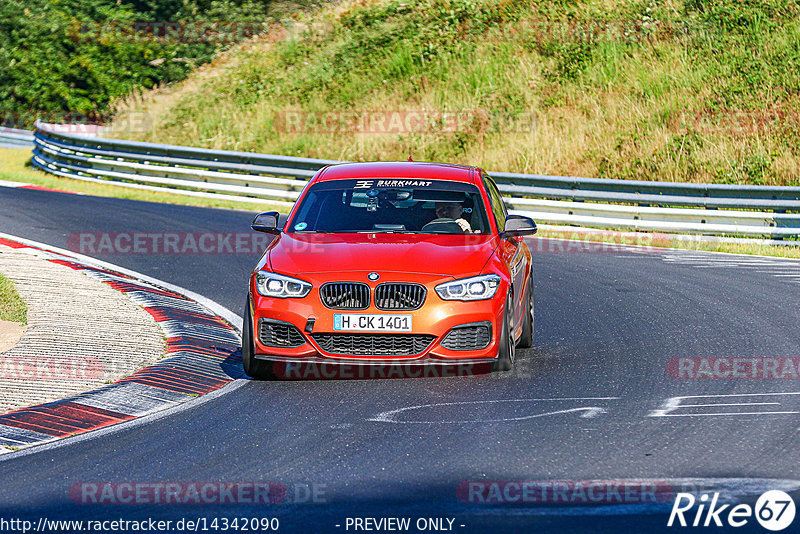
x=436, y=317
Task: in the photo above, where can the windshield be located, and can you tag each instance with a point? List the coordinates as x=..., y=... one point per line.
x=391, y=206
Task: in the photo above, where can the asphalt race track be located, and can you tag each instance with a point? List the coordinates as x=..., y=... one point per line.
x=592, y=400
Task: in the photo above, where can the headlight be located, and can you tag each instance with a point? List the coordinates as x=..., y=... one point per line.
x=476, y=288
x=276, y=285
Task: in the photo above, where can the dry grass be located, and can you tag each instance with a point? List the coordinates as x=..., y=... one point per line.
x=633, y=110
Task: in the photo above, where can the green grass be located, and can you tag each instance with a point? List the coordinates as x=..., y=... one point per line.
x=15, y=167
x=701, y=91
x=12, y=307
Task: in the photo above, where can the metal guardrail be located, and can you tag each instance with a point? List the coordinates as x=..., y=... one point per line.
x=713, y=209
x=13, y=138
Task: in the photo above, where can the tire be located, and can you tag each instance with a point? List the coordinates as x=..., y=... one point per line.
x=526, y=339
x=257, y=369
x=506, y=349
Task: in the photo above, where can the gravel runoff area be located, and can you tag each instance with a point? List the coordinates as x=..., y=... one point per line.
x=81, y=333
x=10, y=332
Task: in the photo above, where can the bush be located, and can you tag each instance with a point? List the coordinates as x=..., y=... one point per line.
x=50, y=63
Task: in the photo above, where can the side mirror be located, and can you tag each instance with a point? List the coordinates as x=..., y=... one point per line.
x=518, y=225
x=266, y=222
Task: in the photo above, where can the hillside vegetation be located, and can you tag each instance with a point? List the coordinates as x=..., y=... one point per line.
x=66, y=60
x=688, y=90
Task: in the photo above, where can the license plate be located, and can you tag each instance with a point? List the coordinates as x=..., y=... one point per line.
x=371, y=322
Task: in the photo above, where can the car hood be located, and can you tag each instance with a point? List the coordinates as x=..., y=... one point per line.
x=445, y=255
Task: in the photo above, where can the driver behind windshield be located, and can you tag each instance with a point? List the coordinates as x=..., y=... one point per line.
x=453, y=210
x=345, y=206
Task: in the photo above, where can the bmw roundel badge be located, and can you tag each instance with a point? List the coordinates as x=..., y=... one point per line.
x=373, y=276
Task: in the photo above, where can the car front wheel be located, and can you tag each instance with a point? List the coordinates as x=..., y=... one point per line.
x=252, y=366
x=506, y=347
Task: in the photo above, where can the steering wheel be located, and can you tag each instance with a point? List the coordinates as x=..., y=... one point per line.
x=443, y=226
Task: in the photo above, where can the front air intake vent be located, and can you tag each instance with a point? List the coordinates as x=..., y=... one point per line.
x=272, y=333
x=468, y=337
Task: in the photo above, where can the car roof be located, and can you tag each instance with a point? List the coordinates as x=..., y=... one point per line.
x=398, y=169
